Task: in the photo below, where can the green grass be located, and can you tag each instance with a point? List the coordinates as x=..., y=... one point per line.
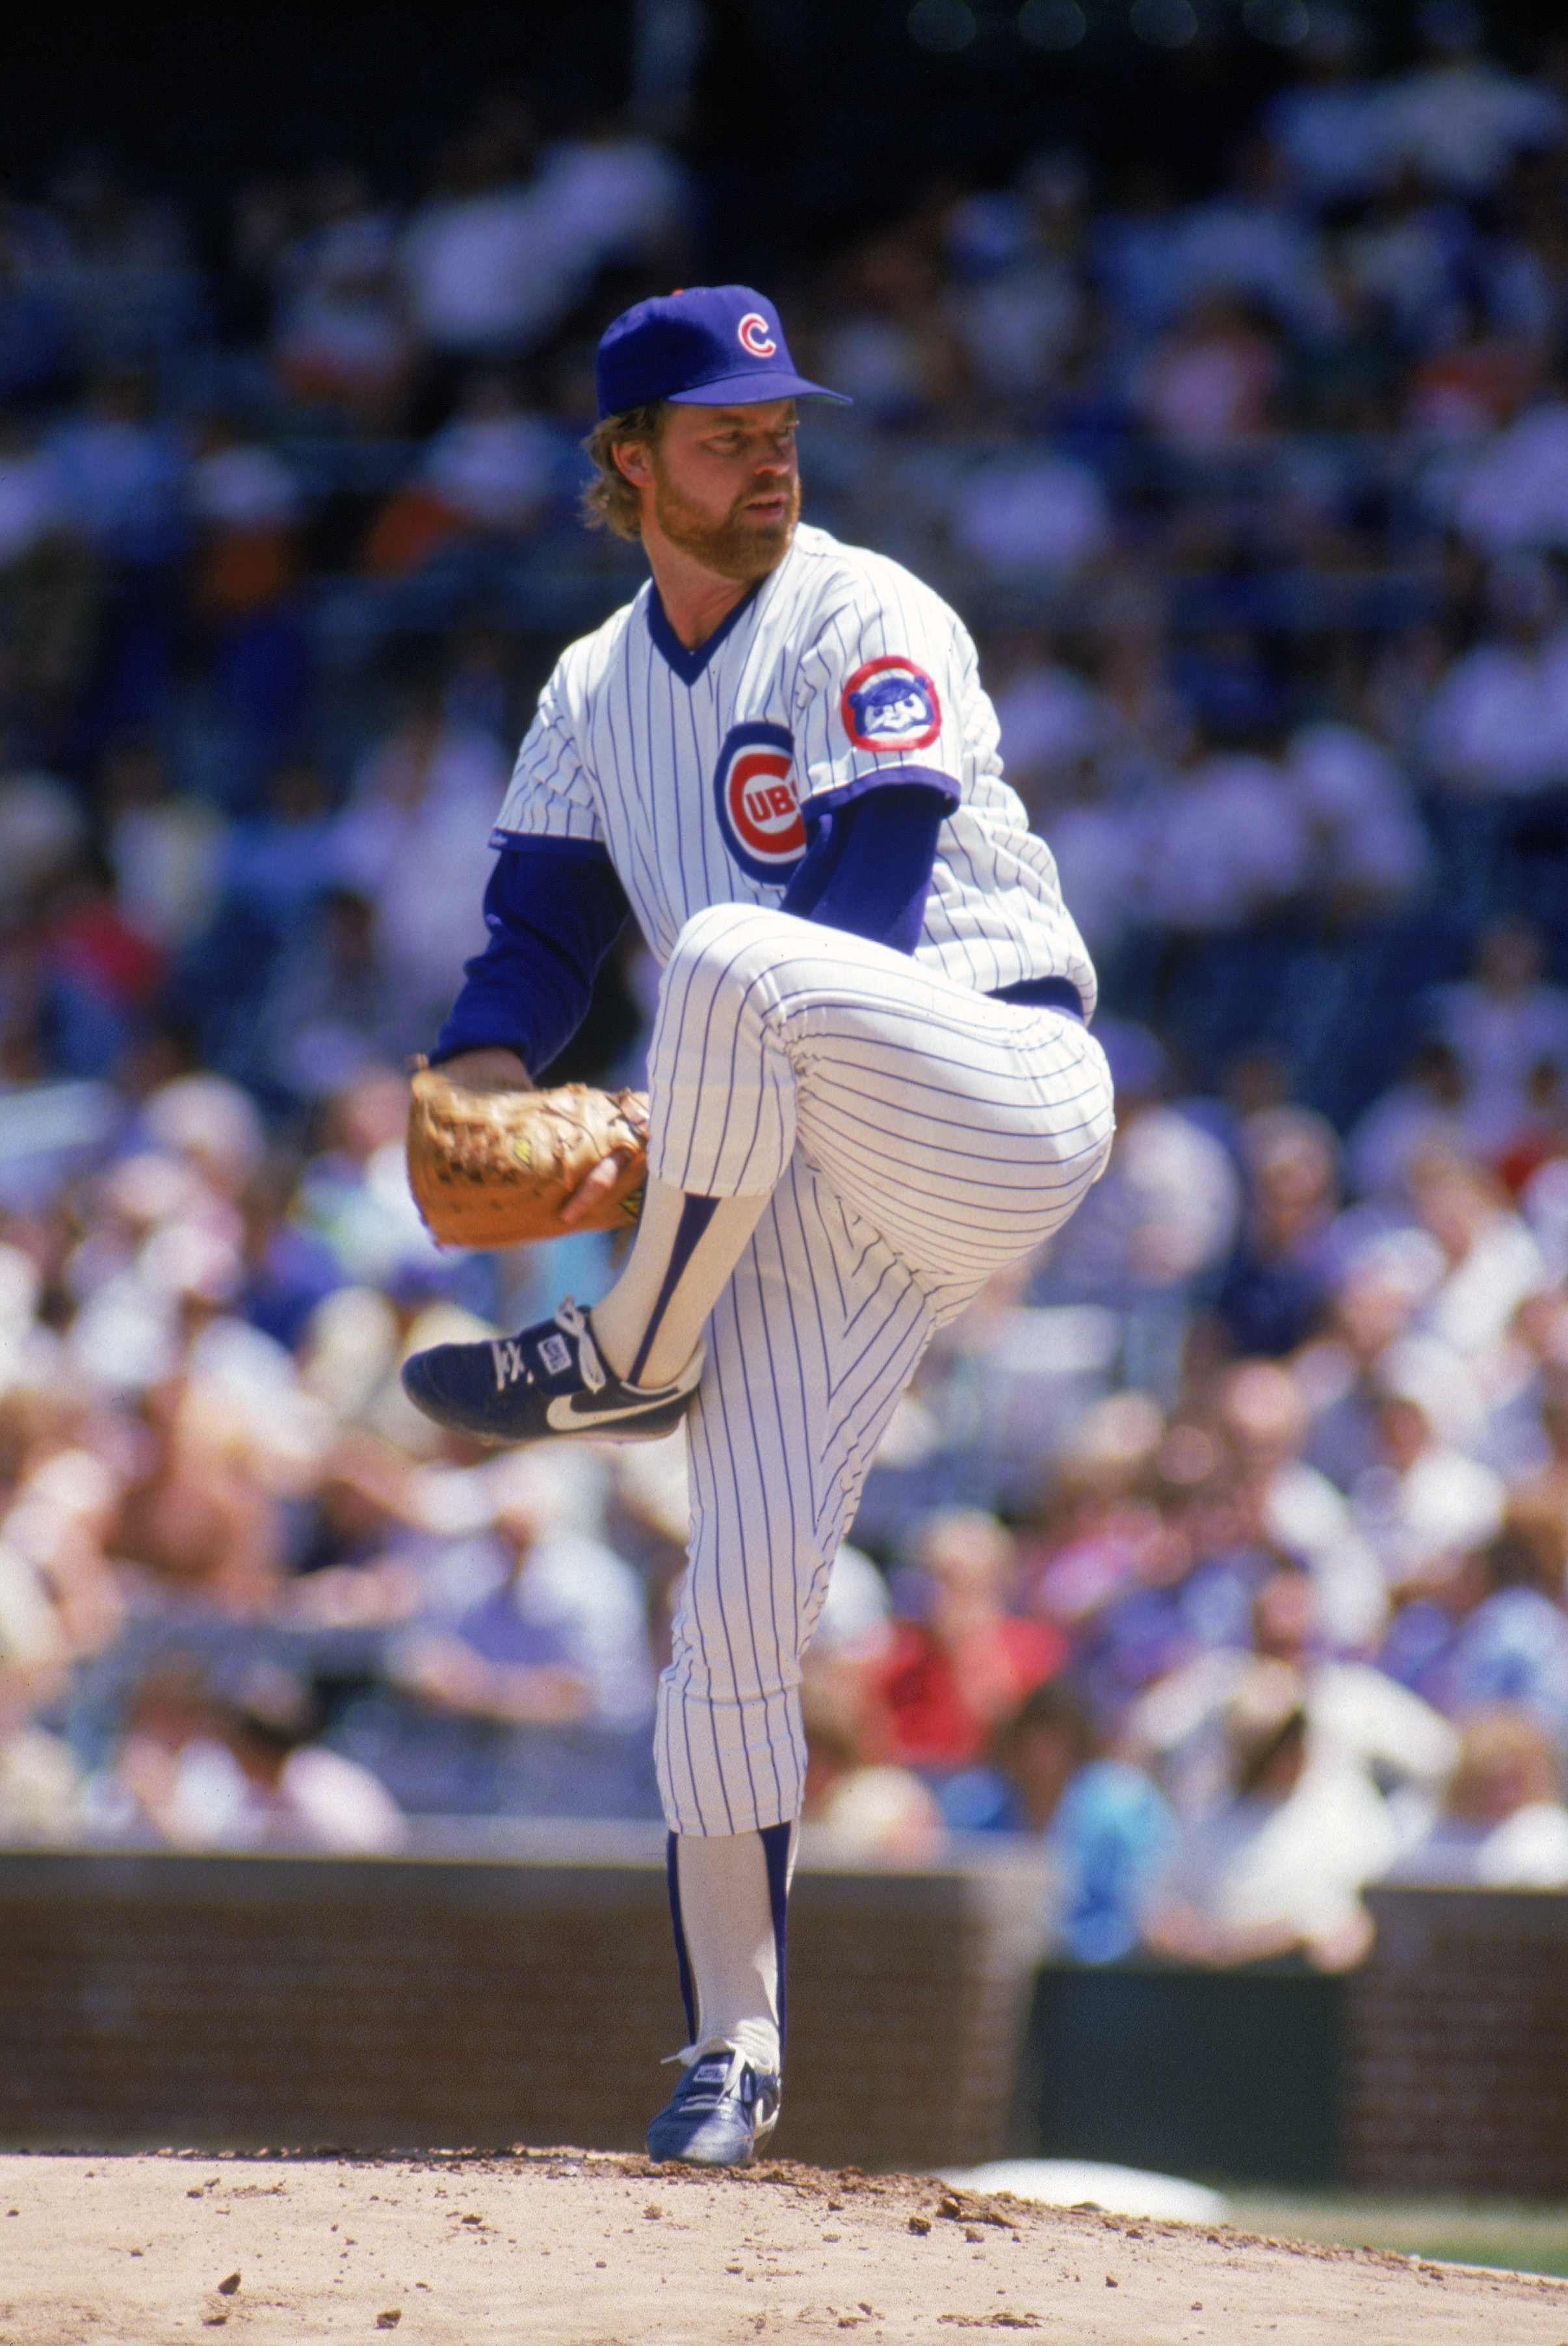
x=1519, y=2235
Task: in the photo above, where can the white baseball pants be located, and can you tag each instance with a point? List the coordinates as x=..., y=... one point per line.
x=916, y=1136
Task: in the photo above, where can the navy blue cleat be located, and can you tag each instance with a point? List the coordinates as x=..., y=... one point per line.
x=547, y=1384
x=722, y=2111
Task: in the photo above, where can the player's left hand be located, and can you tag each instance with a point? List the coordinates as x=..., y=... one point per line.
x=598, y=1185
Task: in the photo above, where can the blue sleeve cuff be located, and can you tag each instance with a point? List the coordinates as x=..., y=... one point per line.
x=881, y=778
x=545, y=842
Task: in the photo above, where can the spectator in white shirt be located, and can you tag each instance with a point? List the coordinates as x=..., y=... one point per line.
x=1360, y=1721
x=1504, y=1825
x=1494, y=1260
x=496, y=259
x=1101, y=843
x=208, y=1773
x=1277, y=1869
x=1018, y=303
x=166, y=851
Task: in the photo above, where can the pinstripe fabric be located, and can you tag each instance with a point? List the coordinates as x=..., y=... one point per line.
x=624, y=752
x=912, y=1136
x=921, y=1136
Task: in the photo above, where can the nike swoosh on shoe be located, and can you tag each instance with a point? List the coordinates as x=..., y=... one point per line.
x=569, y=1412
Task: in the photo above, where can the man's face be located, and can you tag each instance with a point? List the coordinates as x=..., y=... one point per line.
x=724, y=484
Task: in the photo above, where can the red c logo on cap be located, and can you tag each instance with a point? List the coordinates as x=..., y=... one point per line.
x=754, y=337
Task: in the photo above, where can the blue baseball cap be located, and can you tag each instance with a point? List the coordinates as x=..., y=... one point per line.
x=707, y=346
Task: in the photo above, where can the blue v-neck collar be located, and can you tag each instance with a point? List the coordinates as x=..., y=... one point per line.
x=689, y=666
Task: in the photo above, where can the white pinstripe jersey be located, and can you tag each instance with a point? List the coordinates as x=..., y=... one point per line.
x=839, y=671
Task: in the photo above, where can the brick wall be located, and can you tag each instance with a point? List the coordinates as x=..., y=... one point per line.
x=1456, y=2051
x=247, y=2001
x=251, y=2001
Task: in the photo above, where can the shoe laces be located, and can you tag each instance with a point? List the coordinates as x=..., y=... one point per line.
x=574, y=1323
x=714, y=2071
x=714, y=2078
x=512, y=1366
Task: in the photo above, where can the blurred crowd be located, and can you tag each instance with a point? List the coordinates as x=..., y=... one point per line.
x=1221, y=1551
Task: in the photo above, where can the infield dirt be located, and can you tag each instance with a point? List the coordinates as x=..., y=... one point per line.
x=571, y=2248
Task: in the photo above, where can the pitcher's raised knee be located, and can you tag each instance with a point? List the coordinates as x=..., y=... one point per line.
x=728, y=947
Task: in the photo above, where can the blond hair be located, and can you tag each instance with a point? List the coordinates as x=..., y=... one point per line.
x=610, y=501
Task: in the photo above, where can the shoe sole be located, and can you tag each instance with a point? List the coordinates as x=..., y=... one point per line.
x=645, y=1431
x=653, y=1427
x=686, y=2158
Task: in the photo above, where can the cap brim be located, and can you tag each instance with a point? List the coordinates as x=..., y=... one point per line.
x=752, y=388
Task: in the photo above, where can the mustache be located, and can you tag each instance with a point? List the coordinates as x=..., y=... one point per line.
x=789, y=490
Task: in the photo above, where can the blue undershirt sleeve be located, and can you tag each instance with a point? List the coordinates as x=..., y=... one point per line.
x=868, y=864
x=552, y=915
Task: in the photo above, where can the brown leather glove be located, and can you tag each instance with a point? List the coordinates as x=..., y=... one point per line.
x=494, y=1168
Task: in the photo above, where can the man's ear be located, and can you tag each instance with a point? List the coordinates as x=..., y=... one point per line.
x=632, y=460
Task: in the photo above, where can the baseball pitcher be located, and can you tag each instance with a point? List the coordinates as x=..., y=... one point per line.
x=871, y=1081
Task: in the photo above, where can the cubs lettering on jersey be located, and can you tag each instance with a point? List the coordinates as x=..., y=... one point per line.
x=696, y=771
x=757, y=802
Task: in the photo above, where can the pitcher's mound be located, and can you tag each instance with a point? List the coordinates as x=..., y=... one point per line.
x=566, y=2246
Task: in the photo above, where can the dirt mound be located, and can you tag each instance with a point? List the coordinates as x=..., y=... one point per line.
x=568, y=2248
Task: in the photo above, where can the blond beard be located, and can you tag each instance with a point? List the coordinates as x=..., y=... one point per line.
x=735, y=548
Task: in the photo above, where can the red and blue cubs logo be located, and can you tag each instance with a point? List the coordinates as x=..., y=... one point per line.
x=758, y=807
x=754, y=339
x=891, y=704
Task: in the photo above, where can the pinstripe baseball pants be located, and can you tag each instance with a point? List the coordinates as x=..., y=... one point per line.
x=916, y=1136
